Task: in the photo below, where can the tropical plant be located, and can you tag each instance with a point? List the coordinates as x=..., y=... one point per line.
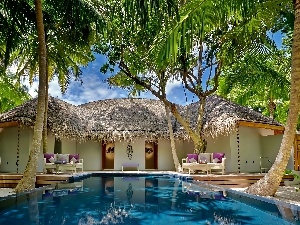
x=269, y=184
x=260, y=81
x=191, y=49
x=12, y=93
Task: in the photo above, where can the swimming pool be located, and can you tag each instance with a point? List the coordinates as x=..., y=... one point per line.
x=134, y=200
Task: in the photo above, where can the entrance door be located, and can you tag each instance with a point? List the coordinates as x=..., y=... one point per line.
x=108, y=155
x=151, y=155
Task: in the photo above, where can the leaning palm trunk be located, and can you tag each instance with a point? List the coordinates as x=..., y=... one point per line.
x=45, y=130
x=173, y=147
x=29, y=176
x=269, y=184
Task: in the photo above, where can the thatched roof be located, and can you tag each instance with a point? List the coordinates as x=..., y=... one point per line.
x=127, y=119
x=221, y=117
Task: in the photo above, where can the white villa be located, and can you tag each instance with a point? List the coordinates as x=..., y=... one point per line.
x=109, y=133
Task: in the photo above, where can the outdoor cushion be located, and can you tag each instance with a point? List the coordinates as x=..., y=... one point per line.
x=204, y=157
x=219, y=156
x=74, y=158
x=192, y=158
x=49, y=156
x=62, y=157
x=60, y=162
x=52, y=160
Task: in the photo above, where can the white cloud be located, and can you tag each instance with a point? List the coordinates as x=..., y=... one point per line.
x=92, y=89
x=172, y=85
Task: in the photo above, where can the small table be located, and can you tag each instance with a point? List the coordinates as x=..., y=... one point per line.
x=199, y=166
x=67, y=166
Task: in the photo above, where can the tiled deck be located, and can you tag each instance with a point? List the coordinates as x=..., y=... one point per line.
x=10, y=180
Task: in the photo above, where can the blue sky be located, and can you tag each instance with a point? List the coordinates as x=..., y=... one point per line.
x=94, y=88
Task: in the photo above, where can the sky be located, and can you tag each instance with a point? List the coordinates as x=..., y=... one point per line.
x=93, y=87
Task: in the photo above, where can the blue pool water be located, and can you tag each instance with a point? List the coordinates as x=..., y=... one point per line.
x=135, y=200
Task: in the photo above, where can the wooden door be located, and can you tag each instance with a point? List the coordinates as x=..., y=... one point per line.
x=108, y=155
x=151, y=155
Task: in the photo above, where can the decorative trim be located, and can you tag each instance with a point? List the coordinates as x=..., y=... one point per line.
x=129, y=151
x=110, y=150
x=18, y=148
x=149, y=150
x=260, y=125
x=238, y=149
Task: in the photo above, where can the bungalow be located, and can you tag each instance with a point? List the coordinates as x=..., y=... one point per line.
x=112, y=132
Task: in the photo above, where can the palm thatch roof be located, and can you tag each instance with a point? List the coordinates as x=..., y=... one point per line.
x=128, y=119
x=221, y=117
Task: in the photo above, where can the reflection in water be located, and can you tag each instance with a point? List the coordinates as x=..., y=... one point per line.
x=33, y=207
x=142, y=200
x=129, y=192
x=113, y=215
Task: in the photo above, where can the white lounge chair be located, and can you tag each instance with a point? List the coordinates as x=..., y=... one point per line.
x=204, y=162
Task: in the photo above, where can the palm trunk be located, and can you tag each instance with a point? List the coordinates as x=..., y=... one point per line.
x=45, y=130
x=29, y=176
x=269, y=184
x=173, y=147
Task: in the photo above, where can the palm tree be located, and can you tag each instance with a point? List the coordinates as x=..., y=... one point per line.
x=269, y=184
x=61, y=67
x=261, y=81
x=29, y=176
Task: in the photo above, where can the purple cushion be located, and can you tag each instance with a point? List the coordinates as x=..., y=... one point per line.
x=47, y=156
x=74, y=158
x=219, y=156
x=192, y=157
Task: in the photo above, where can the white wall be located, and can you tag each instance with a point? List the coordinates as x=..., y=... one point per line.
x=270, y=147
x=138, y=155
x=165, y=158
x=8, y=149
x=91, y=153
x=250, y=150
x=68, y=146
x=221, y=144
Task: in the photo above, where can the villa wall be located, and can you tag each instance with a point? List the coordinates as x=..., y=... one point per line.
x=221, y=144
x=9, y=145
x=165, y=158
x=252, y=145
x=91, y=153
x=270, y=148
x=249, y=149
x=138, y=155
